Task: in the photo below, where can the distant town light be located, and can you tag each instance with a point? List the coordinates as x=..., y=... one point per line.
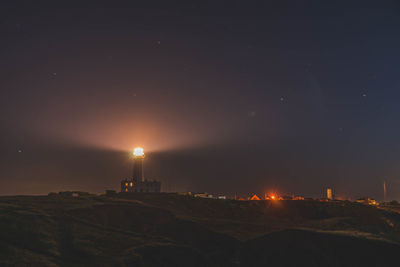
x=138, y=152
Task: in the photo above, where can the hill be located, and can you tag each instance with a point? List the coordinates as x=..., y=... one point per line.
x=175, y=230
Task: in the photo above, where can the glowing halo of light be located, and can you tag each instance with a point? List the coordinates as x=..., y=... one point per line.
x=138, y=152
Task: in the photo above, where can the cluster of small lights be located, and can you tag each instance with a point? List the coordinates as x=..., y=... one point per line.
x=272, y=197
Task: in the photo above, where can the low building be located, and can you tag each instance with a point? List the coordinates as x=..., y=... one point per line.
x=203, y=195
x=132, y=186
x=70, y=194
x=184, y=193
x=367, y=201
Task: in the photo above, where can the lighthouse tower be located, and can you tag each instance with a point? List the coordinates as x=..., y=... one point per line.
x=137, y=184
x=138, y=173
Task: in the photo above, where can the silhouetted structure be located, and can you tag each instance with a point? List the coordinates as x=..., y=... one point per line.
x=138, y=184
x=137, y=171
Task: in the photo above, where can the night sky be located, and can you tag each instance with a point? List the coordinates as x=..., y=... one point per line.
x=225, y=97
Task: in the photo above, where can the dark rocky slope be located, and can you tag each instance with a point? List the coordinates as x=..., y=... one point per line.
x=172, y=230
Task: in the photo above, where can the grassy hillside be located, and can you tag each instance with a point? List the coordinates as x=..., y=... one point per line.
x=174, y=230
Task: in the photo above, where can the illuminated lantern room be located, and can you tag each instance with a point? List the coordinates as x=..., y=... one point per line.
x=138, y=152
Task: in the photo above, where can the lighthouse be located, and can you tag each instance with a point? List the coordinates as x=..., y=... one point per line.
x=137, y=183
x=138, y=158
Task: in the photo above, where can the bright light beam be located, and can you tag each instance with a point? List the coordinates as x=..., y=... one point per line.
x=138, y=152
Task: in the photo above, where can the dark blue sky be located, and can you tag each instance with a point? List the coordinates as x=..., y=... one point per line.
x=233, y=96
